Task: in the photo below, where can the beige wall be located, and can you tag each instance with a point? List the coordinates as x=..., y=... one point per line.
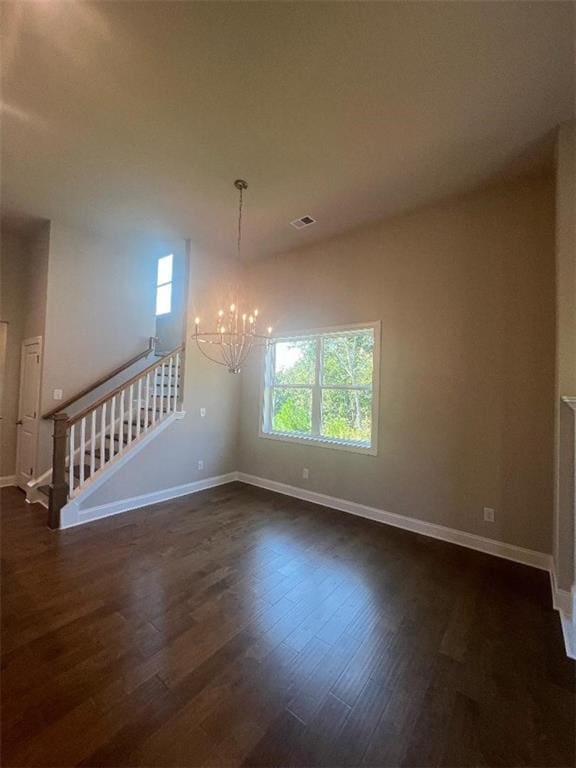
x=100, y=309
x=12, y=296
x=171, y=459
x=99, y=313
x=465, y=293
x=37, y=258
x=565, y=468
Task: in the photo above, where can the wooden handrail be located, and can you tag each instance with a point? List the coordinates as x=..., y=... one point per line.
x=103, y=380
x=109, y=395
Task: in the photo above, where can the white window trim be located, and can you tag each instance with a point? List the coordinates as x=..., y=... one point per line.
x=314, y=440
x=168, y=282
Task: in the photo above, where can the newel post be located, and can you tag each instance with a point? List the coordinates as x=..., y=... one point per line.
x=59, y=487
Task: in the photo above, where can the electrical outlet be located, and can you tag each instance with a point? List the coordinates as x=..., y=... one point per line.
x=202, y=413
x=200, y=464
x=57, y=394
x=488, y=515
x=305, y=473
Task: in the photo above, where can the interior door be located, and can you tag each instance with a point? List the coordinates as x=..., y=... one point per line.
x=28, y=411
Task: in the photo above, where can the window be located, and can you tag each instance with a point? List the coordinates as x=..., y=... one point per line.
x=164, y=285
x=321, y=387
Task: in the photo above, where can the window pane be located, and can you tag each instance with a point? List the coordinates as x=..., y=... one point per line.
x=347, y=414
x=295, y=362
x=348, y=358
x=164, y=270
x=292, y=410
x=164, y=299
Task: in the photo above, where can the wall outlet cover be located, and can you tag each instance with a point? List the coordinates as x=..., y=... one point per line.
x=489, y=514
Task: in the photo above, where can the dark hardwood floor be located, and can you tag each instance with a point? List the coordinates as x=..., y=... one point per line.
x=239, y=627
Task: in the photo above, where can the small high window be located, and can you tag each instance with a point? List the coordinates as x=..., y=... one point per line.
x=164, y=285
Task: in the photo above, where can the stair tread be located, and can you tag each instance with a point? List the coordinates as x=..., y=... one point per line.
x=143, y=421
x=87, y=471
x=97, y=453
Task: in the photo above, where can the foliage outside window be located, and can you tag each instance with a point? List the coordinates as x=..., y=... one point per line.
x=321, y=387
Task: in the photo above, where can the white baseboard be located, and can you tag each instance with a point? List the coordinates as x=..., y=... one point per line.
x=33, y=496
x=561, y=598
x=569, y=632
x=72, y=516
x=564, y=602
x=470, y=540
x=7, y=480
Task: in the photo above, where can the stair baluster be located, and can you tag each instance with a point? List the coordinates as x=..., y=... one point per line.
x=93, y=444
x=102, y=435
x=130, y=417
x=71, y=459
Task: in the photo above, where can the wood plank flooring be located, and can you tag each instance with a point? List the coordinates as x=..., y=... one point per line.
x=237, y=627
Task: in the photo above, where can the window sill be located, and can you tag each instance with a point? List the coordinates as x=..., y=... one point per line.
x=320, y=442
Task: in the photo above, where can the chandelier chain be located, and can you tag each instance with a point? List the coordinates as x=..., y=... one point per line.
x=240, y=204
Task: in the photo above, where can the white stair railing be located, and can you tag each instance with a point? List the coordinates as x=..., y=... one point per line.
x=87, y=443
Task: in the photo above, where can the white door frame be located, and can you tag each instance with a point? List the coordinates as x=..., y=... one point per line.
x=6, y=480
x=22, y=479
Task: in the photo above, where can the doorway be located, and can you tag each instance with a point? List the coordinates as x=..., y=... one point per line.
x=28, y=410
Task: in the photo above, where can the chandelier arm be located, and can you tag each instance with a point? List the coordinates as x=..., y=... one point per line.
x=244, y=357
x=242, y=347
x=207, y=356
x=227, y=353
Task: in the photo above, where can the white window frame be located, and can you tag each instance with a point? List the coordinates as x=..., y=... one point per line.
x=265, y=429
x=168, y=282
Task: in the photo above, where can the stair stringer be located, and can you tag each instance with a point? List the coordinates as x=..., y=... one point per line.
x=69, y=514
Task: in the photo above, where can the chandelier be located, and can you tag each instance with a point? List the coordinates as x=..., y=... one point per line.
x=236, y=333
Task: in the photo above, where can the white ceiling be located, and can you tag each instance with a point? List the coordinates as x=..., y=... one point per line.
x=137, y=117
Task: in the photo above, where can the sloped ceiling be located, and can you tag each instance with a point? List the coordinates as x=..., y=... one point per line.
x=137, y=116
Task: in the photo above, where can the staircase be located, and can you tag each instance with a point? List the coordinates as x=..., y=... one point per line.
x=87, y=444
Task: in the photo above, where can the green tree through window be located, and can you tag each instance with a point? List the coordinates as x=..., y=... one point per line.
x=321, y=386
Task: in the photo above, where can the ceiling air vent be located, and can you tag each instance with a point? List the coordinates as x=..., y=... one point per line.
x=304, y=221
